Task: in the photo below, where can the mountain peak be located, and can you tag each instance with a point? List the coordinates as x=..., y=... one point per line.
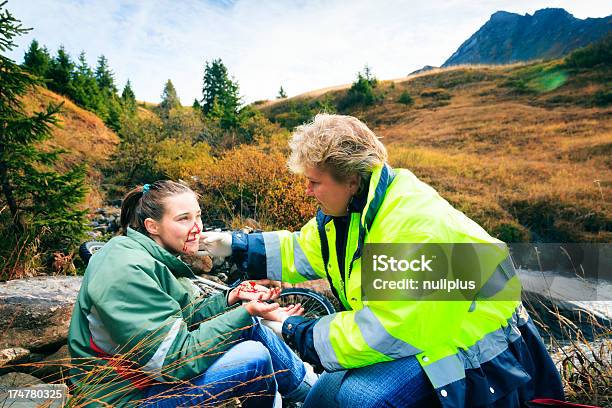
x=503, y=15
x=510, y=37
x=552, y=12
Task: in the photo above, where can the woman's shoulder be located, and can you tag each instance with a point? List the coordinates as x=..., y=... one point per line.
x=119, y=253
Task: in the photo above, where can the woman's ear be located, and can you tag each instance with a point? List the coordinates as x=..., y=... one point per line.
x=151, y=226
x=353, y=183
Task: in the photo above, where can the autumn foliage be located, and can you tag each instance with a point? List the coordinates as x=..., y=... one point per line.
x=252, y=181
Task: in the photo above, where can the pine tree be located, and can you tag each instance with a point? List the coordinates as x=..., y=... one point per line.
x=115, y=112
x=37, y=60
x=86, y=92
x=61, y=72
x=128, y=99
x=169, y=99
x=105, y=77
x=41, y=201
x=368, y=75
x=108, y=92
x=196, y=104
x=281, y=93
x=362, y=91
x=220, y=99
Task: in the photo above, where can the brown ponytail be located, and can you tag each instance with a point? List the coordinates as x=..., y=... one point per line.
x=138, y=204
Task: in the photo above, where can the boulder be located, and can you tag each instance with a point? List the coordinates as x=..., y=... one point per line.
x=18, y=380
x=26, y=382
x=53, y=368
x=35, y=312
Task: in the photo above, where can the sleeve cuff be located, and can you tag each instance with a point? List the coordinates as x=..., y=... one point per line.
x=240, y=249
x=290, y=326
x=249, y=254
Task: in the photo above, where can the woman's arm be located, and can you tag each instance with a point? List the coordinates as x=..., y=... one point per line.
x=280, y=255
x=148, y=326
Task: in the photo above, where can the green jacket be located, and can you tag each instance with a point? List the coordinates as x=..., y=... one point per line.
x=139, y=319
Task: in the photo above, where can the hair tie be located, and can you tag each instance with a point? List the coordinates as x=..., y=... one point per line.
x=145, y=188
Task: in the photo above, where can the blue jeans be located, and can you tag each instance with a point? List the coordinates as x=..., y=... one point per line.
x=398, y=383
x=254, y=369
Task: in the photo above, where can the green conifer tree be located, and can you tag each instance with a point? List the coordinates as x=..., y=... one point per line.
x=169, y=99
x=105, y=77
x=86, y=92
x=37, y=60
x=42, y=202
x=61, y=73
x=128, y=99
x=108, y=91
x=220, y=98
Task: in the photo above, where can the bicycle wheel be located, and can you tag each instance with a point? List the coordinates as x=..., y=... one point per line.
x=314, y=304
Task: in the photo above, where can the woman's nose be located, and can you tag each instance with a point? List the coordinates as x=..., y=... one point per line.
x=309, y=191
x=196, y=230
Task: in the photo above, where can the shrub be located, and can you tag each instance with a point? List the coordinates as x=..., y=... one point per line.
x=405, y=98
x=592, y=55
x=602, y=98
x=179, y=159
x=249, y=182
x=361, y=93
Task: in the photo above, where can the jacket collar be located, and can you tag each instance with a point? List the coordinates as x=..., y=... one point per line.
x=358, y=202
x=178, y=267
x=381, y=179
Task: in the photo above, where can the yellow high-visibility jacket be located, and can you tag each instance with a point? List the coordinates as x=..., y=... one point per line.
x=473, y=352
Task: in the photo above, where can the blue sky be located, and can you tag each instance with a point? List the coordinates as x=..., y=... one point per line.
x=302, y=45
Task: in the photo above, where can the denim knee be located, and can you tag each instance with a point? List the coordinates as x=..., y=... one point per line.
x=257, y=356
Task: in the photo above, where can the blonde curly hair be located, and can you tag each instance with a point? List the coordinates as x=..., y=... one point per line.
x=342, y=145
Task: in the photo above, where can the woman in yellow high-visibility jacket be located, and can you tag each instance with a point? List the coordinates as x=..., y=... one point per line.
x=481, y=352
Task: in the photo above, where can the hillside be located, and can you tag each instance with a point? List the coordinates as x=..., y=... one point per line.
x=548, y=33
x=82, y=134
x=523, y=149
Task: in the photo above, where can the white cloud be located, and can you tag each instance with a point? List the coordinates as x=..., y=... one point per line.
x=301, y=45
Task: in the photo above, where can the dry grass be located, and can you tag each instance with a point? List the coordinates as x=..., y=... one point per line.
x=582, y=358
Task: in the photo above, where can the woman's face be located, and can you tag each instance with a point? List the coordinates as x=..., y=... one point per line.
x=179, y=229
x=333, y=196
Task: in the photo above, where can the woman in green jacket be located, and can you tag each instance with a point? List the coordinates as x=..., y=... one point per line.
x=141, y=333
x=475, y=350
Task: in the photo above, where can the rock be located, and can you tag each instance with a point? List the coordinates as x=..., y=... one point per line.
x=93, y=234
x=13, y=355
x=35, y=312
x=54, y=368
x=199, y=264
x=12, y=381
x=19, y=380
